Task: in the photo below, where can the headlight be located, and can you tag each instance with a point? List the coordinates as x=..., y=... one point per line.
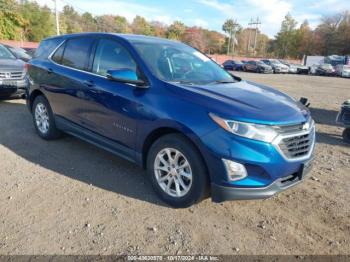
x=252, y=131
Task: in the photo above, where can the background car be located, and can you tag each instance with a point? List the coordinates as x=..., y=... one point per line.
x=257, y=67
x=342, y=70
x=233, y=65
x=19, y=53
x=325, y=70
x=302, y=69
x=12, y=74
x=276, y=65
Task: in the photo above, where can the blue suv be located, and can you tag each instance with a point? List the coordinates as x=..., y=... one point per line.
x=198, y=130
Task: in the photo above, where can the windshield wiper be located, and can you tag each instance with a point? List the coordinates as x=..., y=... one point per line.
x=182, y=82
x=223, y=82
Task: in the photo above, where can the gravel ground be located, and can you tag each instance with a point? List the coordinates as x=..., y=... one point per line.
x=69, y=197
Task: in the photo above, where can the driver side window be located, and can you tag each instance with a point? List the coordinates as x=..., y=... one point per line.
x=111, y=55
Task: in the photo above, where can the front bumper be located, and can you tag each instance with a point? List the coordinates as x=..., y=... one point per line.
x=266, y=70
x=281, y=70
x=17, y=87
x=222, y=193
x=345, y=74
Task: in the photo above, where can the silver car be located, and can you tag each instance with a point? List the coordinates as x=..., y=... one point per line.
x=12, y=74
x=342, y=70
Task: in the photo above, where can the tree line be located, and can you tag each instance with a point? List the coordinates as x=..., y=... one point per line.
x=28, y=21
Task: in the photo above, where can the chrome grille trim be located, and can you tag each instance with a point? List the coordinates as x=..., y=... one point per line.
x=294, y=143
x=12, y=75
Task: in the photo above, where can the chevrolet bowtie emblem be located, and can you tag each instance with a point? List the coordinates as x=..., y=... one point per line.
x=306, y=126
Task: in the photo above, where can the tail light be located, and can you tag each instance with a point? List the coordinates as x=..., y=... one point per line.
x=26, y=67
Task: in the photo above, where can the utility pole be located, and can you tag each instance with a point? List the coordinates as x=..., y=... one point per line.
x=249, y=29
x=57, y=18
x=229, y=42
x=232, y=37
x=254, y=25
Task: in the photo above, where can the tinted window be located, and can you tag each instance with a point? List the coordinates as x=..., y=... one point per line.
x=46, y=47
x=57, y=57
x=110, y=55
x=76, y=53
x=176, y=62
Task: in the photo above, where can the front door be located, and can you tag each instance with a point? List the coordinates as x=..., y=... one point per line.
x=113, y=105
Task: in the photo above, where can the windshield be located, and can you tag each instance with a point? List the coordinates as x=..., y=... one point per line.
x=20, y=52
x=5, y=53
x=177, y=62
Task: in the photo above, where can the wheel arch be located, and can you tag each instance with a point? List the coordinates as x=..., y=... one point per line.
x=165, y=130
x=32, y=97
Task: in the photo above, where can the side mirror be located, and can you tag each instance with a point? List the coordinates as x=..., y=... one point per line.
x=125, y=75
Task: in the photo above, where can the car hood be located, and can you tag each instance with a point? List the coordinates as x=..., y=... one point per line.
x=11, y=64
x=246, y=101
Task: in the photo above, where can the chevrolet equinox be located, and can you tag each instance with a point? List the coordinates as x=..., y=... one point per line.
x=198, y=130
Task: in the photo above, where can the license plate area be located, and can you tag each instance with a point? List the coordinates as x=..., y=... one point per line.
x=10, y=84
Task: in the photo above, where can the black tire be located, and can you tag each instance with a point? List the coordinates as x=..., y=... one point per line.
x=346, y=135
x=52, y=132
x=200, y=182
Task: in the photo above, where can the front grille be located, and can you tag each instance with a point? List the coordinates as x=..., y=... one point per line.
x=14, y=75
x=297, y=146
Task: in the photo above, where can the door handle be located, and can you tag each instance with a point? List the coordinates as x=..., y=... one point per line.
x=89, y=83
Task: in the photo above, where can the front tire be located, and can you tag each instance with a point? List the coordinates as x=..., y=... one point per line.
x=177, y=171
x=43, y=119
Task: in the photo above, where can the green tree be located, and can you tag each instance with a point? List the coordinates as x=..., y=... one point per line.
x=88, y=23
x=11, y=22
x=176, y=30
x=40, y=21
x=121, y=25
x=287, y=38
x=72, y=19
x=141, y=27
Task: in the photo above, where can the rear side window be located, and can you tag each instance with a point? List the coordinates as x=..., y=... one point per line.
x=77, y=52
x=110, y=55
x=47, y=47
x=57, y=57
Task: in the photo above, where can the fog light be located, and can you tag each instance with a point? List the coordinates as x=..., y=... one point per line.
x=235, y=171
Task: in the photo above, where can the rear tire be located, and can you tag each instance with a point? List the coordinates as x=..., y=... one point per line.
x=44, y=120
x=177, y=171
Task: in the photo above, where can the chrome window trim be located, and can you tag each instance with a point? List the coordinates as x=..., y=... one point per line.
x=78, y=70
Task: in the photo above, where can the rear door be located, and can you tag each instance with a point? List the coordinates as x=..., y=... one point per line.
x=67, y=78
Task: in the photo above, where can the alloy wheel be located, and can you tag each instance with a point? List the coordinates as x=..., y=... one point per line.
x=173, y=172
x=42, y=118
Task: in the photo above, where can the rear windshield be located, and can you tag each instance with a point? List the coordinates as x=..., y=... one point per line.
x=47, y=47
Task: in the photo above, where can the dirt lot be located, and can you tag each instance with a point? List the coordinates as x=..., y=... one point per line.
x=68, y=197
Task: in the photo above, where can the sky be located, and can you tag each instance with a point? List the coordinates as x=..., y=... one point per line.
x=212, y=14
